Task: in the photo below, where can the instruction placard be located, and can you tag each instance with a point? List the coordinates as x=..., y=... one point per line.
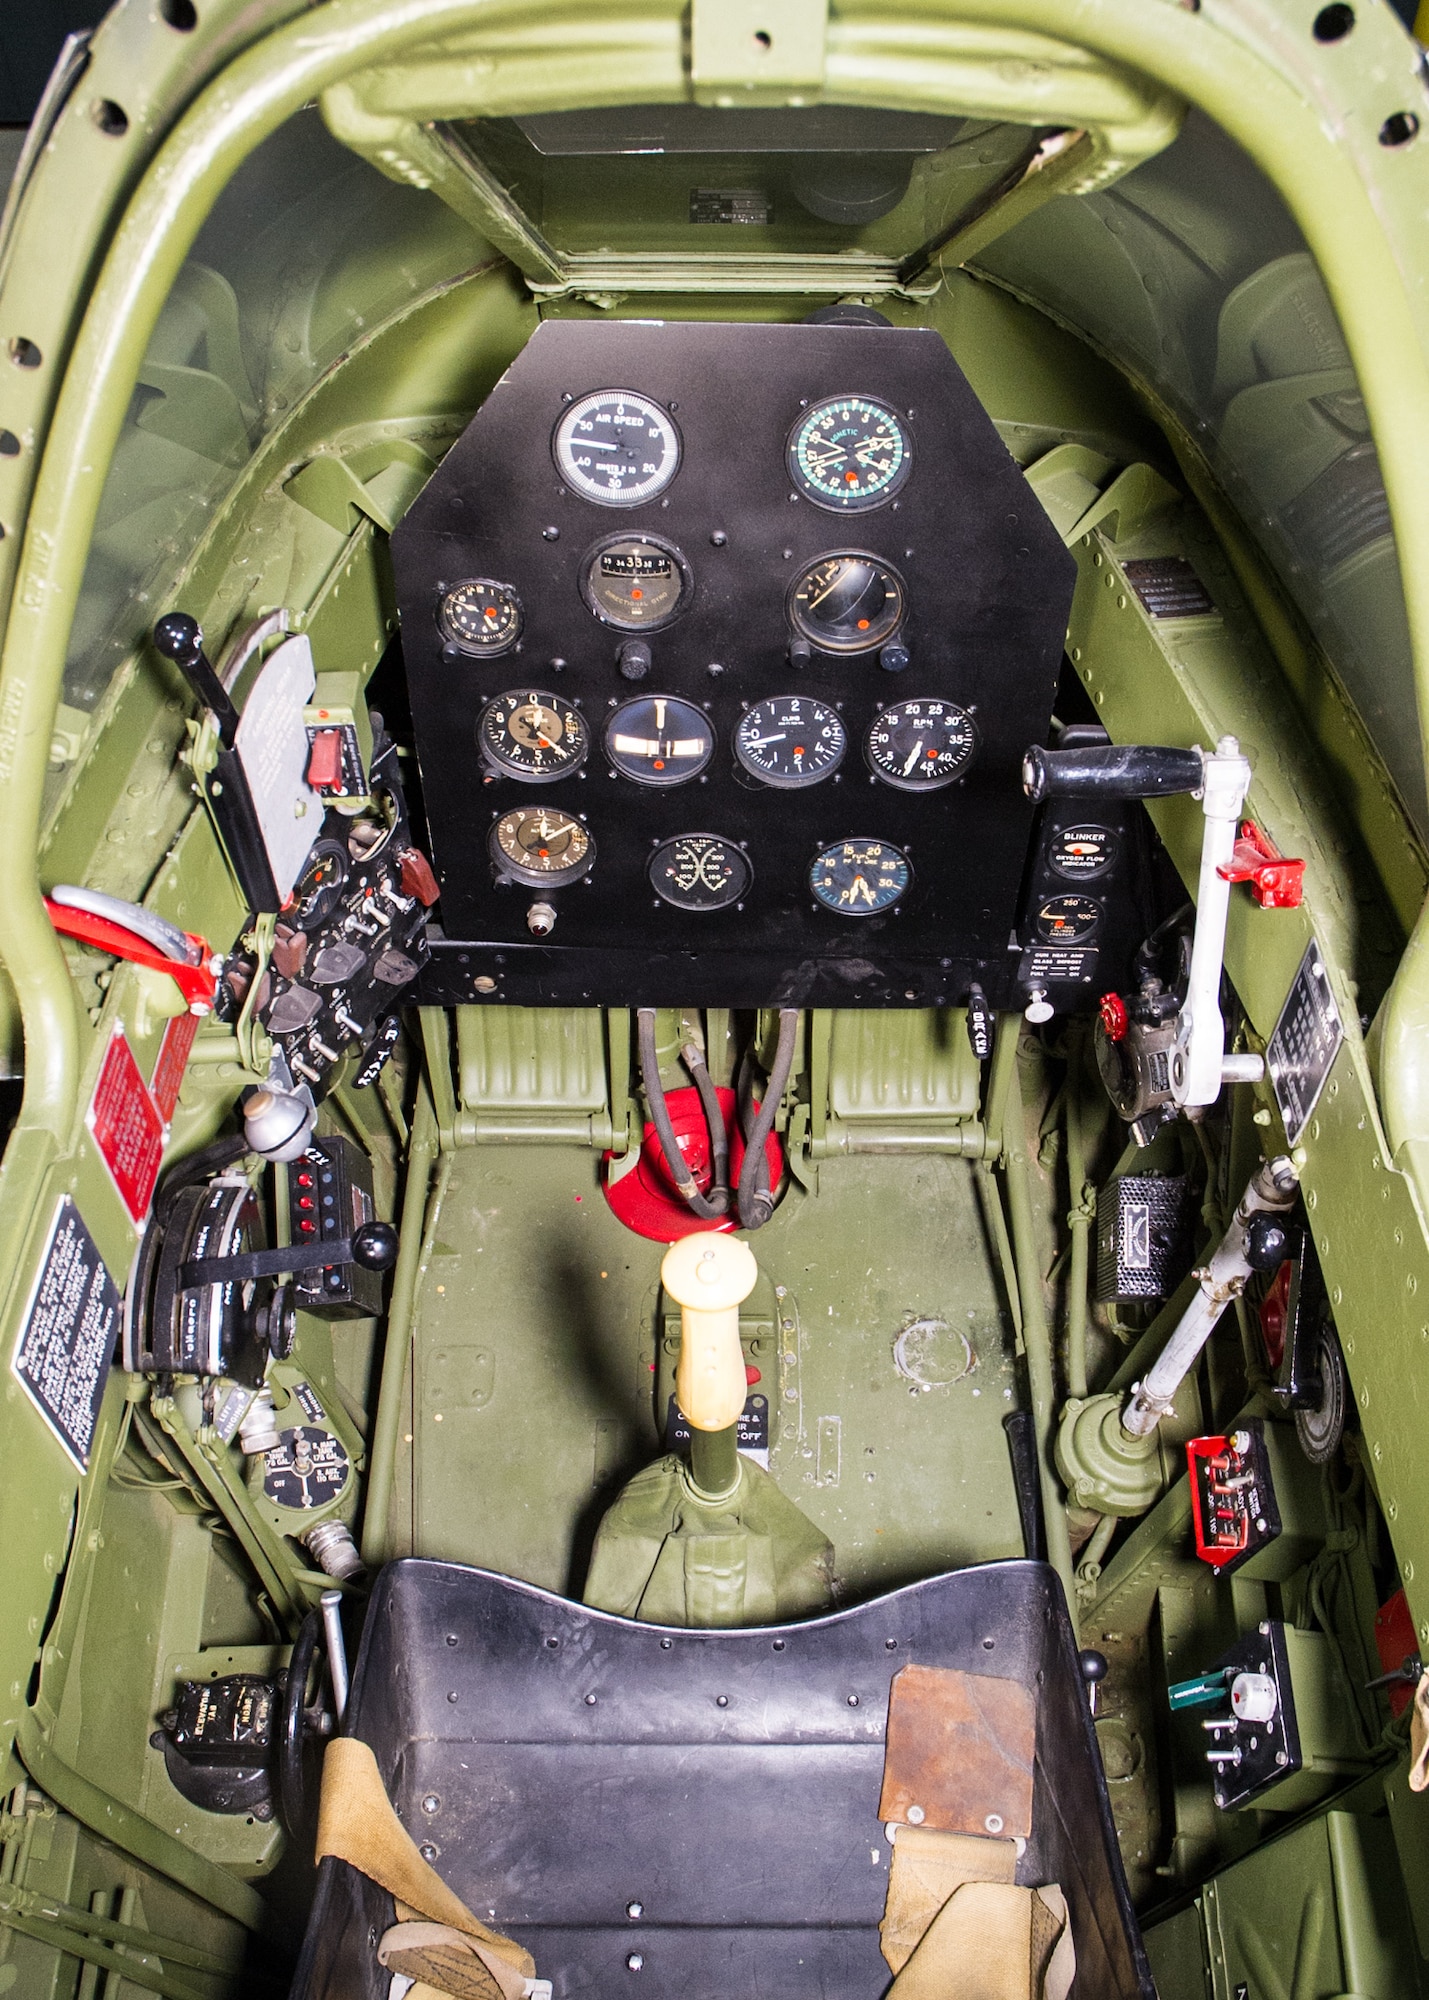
x=67, y=1339
x=127, y=1127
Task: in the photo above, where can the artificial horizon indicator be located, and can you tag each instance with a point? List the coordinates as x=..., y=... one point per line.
x=530, y=735
x=700, y=871
x=481, y=617
x=790, y=741
x=860, y=878
x=850, y=454
x=617, y=448
x=541, y=846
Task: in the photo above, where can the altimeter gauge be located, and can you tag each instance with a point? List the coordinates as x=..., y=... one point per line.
x=790, y=740
x=659, y=740
x=860, y=878
x=920, y=745
x=481, y=617
x=617, y=448
x=529, y=734
x=849, y=453
x=541, y=847
x=700, y=871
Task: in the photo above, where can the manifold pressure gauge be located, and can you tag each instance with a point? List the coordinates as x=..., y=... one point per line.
x=920, y=745
x=481, y=617
x=532, y=736
x=700, y=871
x=860, y=878
x=849, y=453
x=617, y=448
x=540, y=846
x=659, y=740
x=790, y=740
x=847, y=602
x=637, y=583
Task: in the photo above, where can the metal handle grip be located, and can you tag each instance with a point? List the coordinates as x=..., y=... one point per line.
x=1110, y=771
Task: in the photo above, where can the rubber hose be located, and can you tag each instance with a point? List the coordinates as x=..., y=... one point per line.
x=712, y=1210
x=756, y=1203
x=714, y=1124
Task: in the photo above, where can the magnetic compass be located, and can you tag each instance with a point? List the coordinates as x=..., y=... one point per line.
x=531, y=735
x=700, y=871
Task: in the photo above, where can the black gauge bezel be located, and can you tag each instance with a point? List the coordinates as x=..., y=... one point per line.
x=462, y=643
x=803, y=781
x=845, y=648
x=330, y=894
x=865, y=503
x=644, y=774
x=700, y=909
x=666, y=548
x=1069, y=896
x=1103, y=867
x=938, y=784
x=508, y=870
x=859, y=840
x=509, y=768
x=569, y=416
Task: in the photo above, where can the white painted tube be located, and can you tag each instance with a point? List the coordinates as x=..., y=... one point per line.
x=1201, y=1045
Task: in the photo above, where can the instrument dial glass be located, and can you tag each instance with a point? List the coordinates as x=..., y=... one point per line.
x=1068, y=919
x=847, y=602
x=530, y=735
x=541, y=846
x=860, y=878
x=617, y=448
x=637, y=583
x=850, y=453
x=659, y=740
x=319, y=888
x=790, y=740
x=700, y=871
x=481, y=617
x=1082, y=853
x=921, y=745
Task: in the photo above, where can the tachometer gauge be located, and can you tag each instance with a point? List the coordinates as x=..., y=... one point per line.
x=1068, y=919
x=658, y=740
x=481, y=617
x=320, y=885
x=617, y=448
x=1082, y=853
x=700, y=871
x=860, y=878
x=847, y=602
x=849, y=453
x=920, y=745
x=637, y=583
x=532, y=736
x=790, y=740
x=541, y=846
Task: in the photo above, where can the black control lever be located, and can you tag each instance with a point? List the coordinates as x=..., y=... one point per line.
x=373, y=1245
x=1110, y=771
x=180, y=639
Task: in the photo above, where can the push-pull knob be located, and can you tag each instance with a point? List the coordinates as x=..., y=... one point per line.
x=710, y=1276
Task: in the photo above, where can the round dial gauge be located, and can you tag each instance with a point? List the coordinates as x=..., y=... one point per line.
x=920, y=745
x=533, y=736
x=1082, y=853
x=320, y=886
x=790, y=740
x=849, y=453
x=700, y=871
x=860, y=878
x=541, y=846
x=847, y=602
x=481, y=617
x=1068, y=919
x=658, y=740
x=306, y=1468
x=636, y=583
x=617, y=448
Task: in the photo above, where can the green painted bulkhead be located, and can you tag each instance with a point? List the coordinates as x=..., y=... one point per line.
x=1176, y=253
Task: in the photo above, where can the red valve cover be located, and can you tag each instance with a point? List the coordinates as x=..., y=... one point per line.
x=645, y=1199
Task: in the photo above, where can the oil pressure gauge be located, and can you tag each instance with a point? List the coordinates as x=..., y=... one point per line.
x=700, y=871
x=481, y=617
x=530, y=735
x=540, y=846
x=921, y=745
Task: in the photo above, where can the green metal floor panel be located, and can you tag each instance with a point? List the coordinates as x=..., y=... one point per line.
x=535, y=1394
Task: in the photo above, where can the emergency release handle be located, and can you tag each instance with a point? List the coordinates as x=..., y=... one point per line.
x=1110, y=771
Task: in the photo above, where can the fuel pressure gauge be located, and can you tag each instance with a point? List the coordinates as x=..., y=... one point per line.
x=700, y=871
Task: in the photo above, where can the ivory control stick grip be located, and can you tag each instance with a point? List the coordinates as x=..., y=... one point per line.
x=710, y=1276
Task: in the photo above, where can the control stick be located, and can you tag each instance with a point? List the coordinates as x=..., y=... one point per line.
x=710, y=1276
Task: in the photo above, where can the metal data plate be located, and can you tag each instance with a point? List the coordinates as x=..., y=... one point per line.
x=1305, y=1043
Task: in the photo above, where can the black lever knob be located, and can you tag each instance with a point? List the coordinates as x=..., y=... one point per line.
x=1110, y=771
x=1267, y=1241
x=180, y=639
x=374, y=1245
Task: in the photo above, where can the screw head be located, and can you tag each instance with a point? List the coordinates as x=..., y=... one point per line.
x=993, y=1822
x=590, y=1701
x=634, y=1961
x=431, y=1803
x=916, y=1815
x=428, y=1851
x=634, y=1910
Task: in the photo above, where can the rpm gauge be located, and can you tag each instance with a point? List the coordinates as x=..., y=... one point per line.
x=532, y=736
x=849, y=453
x=637, y=583
x=541, y=847
x=481, y=617
x=700, y=871
x=847, y=602
x=790, y=740
x=860, y=878
x=921, y=745
x=658, y=740
x=616, y=448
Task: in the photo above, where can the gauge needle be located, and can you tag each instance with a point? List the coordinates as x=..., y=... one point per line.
x=594, y=444
x=759, y=742
x=913, y=757
x=860, y=888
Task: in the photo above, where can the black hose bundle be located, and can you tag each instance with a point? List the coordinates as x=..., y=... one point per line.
x=756, y=1197
x=714, y=1206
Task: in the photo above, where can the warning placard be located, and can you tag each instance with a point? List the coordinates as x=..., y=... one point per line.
x=127, y=1127
x=67, y=1339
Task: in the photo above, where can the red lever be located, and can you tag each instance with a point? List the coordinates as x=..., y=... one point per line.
x=1112, y=1009
x=196, y=982
x=325, y=760
x=417, y=877
x=1275, y=882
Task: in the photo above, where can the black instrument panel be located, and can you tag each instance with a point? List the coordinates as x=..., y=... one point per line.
x=770, y=615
